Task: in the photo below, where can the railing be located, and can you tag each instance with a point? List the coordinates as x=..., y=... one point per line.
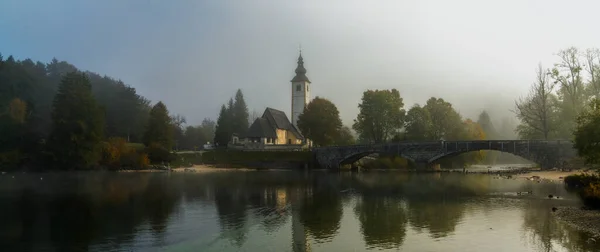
x=445, y=143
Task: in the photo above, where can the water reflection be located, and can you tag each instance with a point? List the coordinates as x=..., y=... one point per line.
x=382, y=221
x=276, y=211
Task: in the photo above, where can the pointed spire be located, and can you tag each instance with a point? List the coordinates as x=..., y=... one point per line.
x=300, y=70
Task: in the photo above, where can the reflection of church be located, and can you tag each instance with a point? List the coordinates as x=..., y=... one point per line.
x=273, y=130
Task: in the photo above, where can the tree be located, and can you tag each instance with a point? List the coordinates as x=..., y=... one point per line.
x=159, y=130
x=77, y=124
x=592, y=57
x=537, y=111
x=223, y=128
x=567, y=73
x=239, y=114
x=253, y=116
x=320, y=122
x=587, y=137
x=418, y=124
x=177, y=122
x=381, y=114
x=207, y=127
x=345, y=137
x=447, y=123
x=487, y=126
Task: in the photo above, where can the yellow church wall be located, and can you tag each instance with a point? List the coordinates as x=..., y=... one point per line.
x=284, y=135
x=295, y=140
x=281, y=136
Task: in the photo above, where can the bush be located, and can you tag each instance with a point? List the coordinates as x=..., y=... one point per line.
x=117, y=154
x=587, y=186
x=158, y=154
x=591, y=195
x=245, y=157
x=580, y=181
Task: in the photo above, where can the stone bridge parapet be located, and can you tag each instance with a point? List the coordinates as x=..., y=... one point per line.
x=545, y=153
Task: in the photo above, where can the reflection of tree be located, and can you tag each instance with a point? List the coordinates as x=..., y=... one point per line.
x=231, y=207
x=269, y=209
x=382, y=221
x=72, y=211
x=547, y=231
x=321, y=213
x=439, y=215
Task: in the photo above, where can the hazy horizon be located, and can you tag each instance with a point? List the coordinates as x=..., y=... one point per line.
x=194, y=55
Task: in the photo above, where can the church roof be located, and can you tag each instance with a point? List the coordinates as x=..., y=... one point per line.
x=271, y=120
x=261, y=128
x=300, y=71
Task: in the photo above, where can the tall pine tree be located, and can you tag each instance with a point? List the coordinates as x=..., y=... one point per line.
x=159, y=129
x=77, y=124
x=240, y=115
x=223, y=128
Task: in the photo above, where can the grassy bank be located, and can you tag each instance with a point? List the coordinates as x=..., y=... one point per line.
x=245, y=159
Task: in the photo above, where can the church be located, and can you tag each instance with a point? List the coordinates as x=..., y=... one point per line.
x=273, y=130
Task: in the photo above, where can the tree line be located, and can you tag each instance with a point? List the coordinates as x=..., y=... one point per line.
x=56, y=115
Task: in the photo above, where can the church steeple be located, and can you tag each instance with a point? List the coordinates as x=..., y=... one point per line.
x=300, y=70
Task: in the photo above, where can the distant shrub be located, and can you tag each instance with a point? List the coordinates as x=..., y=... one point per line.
x=158, y=154
x=587, y=186
x=117, y=154
x=580, y=180
x=244, y=157
x=591, y=195
x=10, y=159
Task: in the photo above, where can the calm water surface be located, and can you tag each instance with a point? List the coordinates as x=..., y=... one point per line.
x=282, y=211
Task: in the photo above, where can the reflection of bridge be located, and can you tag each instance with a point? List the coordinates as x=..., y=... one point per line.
x=545, y=153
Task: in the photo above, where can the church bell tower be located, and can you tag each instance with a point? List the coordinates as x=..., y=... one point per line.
x=300, y=91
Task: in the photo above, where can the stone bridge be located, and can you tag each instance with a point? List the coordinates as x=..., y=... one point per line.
x=547, y=154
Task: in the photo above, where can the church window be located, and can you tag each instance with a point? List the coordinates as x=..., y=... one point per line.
x=306, y=88
x=298, y=87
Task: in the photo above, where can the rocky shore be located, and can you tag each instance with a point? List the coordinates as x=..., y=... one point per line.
x=580, y=218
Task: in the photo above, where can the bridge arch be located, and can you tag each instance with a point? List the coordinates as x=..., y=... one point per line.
x=352, y=158
x=439, y=156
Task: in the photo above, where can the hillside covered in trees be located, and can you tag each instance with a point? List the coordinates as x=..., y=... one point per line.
x=42, y=104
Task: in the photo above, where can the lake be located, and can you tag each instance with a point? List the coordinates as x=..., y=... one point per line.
x=283, y=211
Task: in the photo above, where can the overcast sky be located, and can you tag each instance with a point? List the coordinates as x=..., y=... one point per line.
x=194, y=54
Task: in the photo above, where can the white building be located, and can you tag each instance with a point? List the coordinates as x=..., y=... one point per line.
x=300, y=91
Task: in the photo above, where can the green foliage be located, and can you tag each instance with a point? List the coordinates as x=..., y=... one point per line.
x=159, y=129
x=587, y=134
x=580, y=180
x=588, y=187
x=158, y=154
x=27, y=93
x=223, y=130
x=320, y=122
x=245, y=157
x=186, y=160
x=118, y=154
x=448, y=124
x=196, y=136
x=591, y=195
x=77, y=124
x=239, y=114
x=487, y=126
x=418, y=124
x=233, y=118
x=345, y=137
x=381, y=115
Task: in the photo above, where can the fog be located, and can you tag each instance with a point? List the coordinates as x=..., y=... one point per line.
x=193, y=55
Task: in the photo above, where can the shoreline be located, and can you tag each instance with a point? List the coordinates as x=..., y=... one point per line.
x=580, y=218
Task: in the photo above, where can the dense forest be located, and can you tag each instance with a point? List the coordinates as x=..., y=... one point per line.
x=42, y=104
